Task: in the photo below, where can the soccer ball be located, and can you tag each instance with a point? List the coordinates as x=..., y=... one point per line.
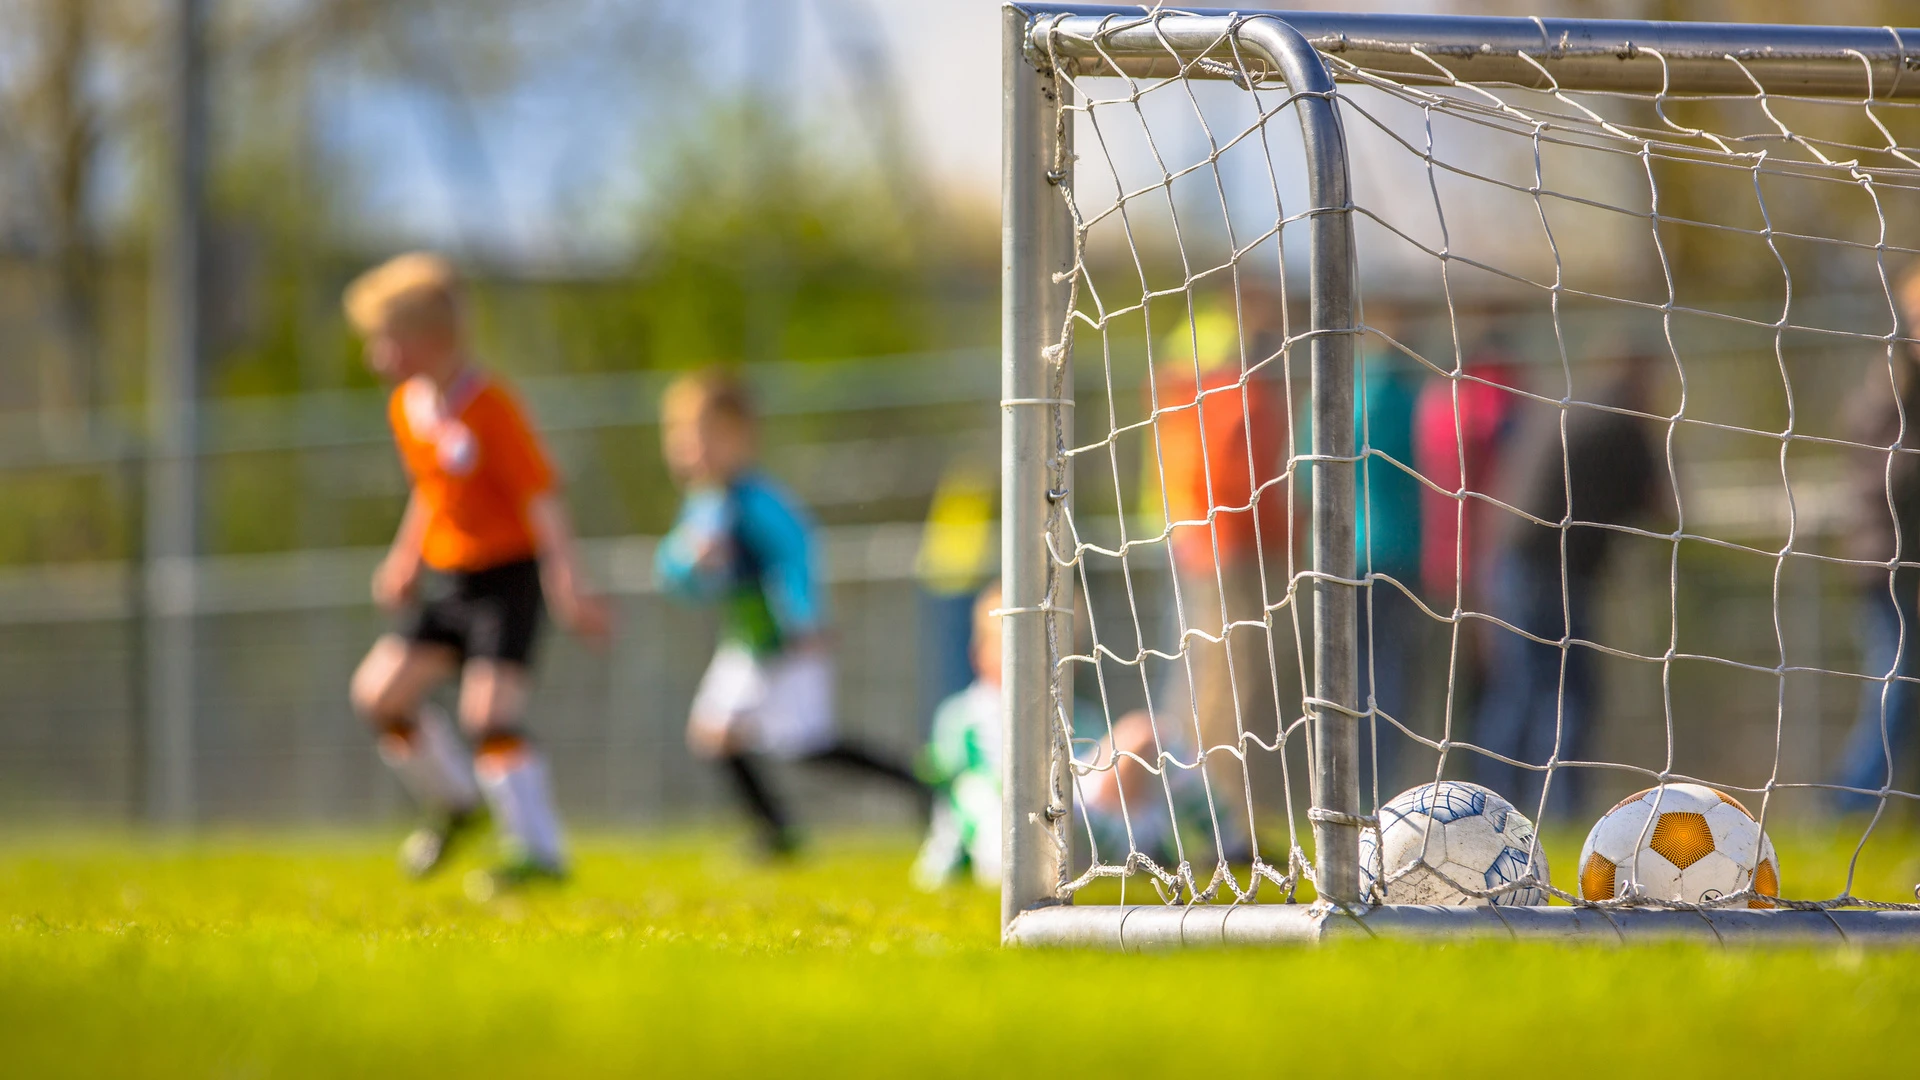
x=1463, y=831
x=1702, y=846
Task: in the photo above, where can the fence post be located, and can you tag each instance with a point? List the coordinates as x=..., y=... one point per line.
x=172, y=503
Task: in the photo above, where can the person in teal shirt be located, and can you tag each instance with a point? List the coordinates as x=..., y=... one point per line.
x=1387, y=545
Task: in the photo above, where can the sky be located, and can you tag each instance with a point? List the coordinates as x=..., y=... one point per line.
x=548, y=169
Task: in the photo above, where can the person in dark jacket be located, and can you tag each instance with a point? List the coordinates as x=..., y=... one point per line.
x=1593, y=467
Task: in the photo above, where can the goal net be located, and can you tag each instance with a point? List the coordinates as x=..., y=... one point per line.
x=1392, y=401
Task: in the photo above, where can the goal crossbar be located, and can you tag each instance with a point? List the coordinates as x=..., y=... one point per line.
x=1044, y=45
x=1878, y=63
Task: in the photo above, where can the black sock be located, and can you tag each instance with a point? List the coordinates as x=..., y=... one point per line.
x=751, y=785
x=852, y=755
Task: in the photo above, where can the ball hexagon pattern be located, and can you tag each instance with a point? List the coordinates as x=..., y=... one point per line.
x=1438, y=841
x=1678, y=843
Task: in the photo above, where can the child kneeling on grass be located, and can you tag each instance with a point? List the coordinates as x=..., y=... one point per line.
x=963, y=763
x=1122, y=807
x=743, y=543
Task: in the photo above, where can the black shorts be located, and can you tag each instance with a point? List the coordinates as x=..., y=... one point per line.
x=493, y=614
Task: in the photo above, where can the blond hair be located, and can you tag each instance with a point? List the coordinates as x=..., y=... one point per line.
x=1214, y=331
x=418, y=289
x=713, y=390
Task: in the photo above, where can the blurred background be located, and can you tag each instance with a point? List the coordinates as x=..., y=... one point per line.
x=191, y=500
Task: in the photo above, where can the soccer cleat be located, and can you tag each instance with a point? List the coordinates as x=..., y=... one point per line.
x=777, y=845
x=512, y=876
x=427, y=847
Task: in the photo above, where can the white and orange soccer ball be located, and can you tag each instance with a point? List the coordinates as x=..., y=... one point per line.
x=1680, y=843
x=1451, y=843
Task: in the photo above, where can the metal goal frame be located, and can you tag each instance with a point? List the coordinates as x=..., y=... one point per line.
x=1037, y=252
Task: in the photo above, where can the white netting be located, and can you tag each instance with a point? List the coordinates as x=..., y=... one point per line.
x=1679, y=314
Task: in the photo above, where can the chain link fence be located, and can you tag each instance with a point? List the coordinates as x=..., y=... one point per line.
x=865, y=443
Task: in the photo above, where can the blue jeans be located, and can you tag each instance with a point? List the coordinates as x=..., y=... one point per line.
x=1524, y=707
x=1885, y=721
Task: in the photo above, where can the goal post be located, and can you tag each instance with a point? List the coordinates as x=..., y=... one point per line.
x=1065, y=573
x=1037, y=405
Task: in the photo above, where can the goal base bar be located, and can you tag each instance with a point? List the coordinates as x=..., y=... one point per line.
x=1153, y=926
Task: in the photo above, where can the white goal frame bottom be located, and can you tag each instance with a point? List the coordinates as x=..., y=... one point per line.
x=1137, y=927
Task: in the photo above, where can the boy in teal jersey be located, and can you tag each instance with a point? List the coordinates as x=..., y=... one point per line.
x=743, y=544
x=1387, y=544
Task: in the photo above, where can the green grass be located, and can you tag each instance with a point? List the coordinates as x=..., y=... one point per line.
x=254, y=955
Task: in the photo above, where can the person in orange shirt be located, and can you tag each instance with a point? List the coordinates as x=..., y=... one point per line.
x=1214, y=468
x=484, y=546
x=1221, y=436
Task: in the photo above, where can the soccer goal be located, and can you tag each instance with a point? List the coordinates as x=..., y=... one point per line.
x=1495, y=409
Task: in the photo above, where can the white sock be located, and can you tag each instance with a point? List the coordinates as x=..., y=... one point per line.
x=979, y=796
x=433, y=764
x=515, y=784
x=940, y=853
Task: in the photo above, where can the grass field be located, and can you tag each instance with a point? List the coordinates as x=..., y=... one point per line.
x=251, y=955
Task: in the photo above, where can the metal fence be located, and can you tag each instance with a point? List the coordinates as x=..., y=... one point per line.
x=863, y=441
x=277, y=637
x=276, y=632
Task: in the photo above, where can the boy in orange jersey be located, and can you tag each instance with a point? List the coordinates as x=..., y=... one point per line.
x=485, y=544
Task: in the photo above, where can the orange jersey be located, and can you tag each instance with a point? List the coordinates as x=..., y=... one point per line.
x=1243, y=447
x=475, y=464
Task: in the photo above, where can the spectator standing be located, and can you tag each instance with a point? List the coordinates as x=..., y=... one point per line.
x=1460, y=428
x=1388, y=546
x=1594, y=467
x=1215, y=459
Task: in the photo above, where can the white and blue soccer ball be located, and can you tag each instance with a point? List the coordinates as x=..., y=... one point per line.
x=1444, y=843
